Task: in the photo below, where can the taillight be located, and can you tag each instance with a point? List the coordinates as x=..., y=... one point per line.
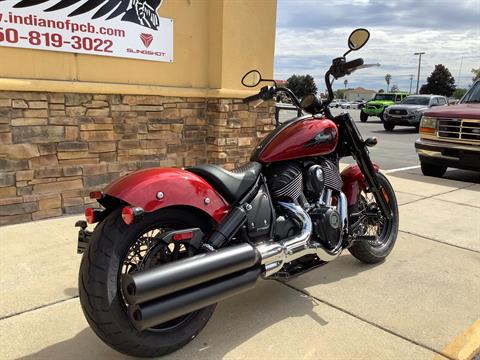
x=131, y=215
x=96, y=195
x=183, y=236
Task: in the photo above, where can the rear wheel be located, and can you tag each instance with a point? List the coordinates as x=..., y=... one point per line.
x=388, y=126
x=376, y=234
x=432, y=170
x=116, y=249
x=363, y=117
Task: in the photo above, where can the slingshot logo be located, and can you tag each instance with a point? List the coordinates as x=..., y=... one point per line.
x=141, y=12
x=146, y=39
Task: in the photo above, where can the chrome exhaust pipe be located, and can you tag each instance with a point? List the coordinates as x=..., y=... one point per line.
x=150, y=314
x=274, y=255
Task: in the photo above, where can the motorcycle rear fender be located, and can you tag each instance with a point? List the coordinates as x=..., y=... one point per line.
x=353, y=182
x=178, y=187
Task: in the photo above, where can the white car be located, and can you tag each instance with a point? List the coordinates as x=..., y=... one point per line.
x=338, y=103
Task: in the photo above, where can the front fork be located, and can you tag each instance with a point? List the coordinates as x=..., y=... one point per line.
x=362, y=156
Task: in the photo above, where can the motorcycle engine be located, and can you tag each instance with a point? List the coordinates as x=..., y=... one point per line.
x=314, y=187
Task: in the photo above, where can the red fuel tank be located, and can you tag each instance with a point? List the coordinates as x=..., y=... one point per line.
x=303, y=137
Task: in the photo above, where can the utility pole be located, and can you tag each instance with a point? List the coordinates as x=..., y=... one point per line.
x=460, y=72
x=411, y=79
x=419, y=63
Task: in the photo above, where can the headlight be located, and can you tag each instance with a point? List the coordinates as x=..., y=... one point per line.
x=428, y=125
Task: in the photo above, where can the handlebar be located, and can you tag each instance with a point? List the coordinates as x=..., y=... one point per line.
x=339, y=68
x=354, y=63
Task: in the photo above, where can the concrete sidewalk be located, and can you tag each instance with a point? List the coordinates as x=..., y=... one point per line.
x=411, y=307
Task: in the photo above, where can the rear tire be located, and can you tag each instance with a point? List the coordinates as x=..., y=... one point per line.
x=100, y=292
x=363, y=117
x=433, y=170
x=388, y=126
x=364, y=250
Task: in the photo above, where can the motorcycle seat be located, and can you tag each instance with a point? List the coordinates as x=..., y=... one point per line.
x=230, y=184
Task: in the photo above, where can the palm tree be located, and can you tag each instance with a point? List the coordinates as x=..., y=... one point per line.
x=388, y=77
x=345, y=83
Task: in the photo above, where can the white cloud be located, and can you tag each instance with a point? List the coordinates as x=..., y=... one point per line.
x=309, y=49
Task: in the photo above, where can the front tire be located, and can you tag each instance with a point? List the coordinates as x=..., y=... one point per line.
x=432, y=170
x=372, y=252
x=363, y=117
x=388, y=126
x=100, y=284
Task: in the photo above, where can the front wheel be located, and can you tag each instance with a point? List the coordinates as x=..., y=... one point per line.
x=117, y=249
x=432, y=170
x=376, y=234
x=388, y=126
x=363, y=117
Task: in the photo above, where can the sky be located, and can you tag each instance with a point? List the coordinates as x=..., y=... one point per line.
x=310, y=33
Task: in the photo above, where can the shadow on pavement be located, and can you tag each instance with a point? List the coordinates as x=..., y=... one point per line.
x=234, y=322
x=399, y=131
x=451, y=174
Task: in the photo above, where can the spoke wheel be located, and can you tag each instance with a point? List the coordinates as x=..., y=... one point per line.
x=116, y=249
x=375, y=234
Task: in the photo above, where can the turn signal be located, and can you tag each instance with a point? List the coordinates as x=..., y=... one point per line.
x=92, y=215
x=427, y=130
x=131, y=215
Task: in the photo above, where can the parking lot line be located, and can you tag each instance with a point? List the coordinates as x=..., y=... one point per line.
x=401, y=169
x=466, y=345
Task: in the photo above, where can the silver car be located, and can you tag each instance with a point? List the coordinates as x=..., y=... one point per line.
x=409, y=112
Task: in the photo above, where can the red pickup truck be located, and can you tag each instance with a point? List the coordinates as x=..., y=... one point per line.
x=450, y=136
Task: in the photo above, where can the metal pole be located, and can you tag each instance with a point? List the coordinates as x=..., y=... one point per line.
x=419, y=63
x=411, y=79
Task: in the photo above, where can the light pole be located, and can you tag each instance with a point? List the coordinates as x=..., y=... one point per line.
x=419, y=63
x=411, y=79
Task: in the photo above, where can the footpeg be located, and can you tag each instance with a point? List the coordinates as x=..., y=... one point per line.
x=83, y=236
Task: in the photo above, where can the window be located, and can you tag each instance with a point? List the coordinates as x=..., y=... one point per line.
x=434, y=102
x=441, y=101
x=416, y=100
x=398, y=98
x=472, y=95
x=380, y=96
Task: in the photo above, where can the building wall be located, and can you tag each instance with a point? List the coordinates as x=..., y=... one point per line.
x=56, y=148
x=72, y=123
x=215, y=43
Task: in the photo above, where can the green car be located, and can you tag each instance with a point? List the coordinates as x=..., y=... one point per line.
x=377, y=105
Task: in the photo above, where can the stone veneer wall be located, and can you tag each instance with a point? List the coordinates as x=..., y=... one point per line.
x=55, y=148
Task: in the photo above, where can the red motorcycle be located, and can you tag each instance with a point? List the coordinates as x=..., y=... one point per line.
x=171, y=243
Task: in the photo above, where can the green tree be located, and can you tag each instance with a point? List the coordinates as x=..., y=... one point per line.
x=458, y=93
x=440, y=82
x=388, y=77
x=381, y=91
x=301, y=85
x=345, y=83
x=476, y=74
x=395, y=88
x=340, y=93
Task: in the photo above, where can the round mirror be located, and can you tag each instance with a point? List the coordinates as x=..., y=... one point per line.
x=252, y=78
x=358, y=38
x=307, y=101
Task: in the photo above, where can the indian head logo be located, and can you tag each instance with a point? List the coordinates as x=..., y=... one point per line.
x=146, y=39
x=141, y=12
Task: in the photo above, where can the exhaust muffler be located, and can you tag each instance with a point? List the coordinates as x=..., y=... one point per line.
x=150, y=314
x=151, y=284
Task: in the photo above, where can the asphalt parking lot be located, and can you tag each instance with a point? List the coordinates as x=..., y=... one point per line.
x=422, y=303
